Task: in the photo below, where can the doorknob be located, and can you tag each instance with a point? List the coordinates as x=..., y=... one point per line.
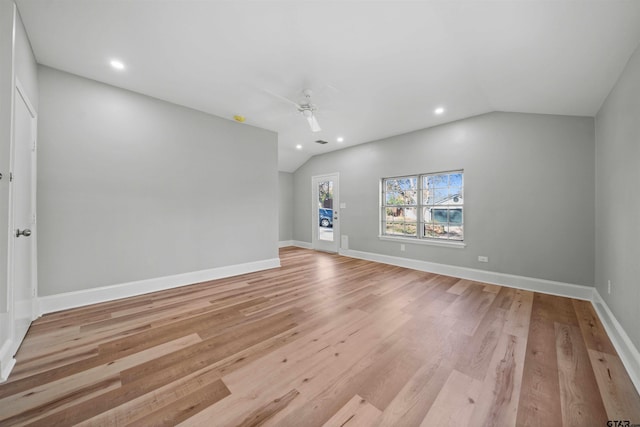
x=26, y=232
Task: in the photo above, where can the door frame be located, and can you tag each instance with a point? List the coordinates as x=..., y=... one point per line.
x=316, y=243
x=23, y=97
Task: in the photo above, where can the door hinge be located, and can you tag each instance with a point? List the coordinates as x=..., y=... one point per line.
x=10, y=176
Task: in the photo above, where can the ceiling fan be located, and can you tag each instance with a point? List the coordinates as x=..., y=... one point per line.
x=306, y=108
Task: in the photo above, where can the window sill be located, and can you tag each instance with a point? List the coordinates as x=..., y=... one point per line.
x=428, y=242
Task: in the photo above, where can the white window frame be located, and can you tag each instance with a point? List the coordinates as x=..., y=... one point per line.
x=420, y=238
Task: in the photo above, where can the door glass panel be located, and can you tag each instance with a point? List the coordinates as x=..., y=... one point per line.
x=325, y=211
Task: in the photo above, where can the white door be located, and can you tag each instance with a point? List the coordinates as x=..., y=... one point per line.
x=22, y=290
x=325, y=212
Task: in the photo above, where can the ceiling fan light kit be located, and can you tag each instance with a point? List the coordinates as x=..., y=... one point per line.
x=313, y=123
x=308, y=109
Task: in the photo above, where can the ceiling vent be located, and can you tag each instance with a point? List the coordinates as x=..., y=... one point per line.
x=319, y=141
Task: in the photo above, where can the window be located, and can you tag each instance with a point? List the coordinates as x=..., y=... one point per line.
x=428, y=206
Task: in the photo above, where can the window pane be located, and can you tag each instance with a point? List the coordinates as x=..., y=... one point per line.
x=455, y=216
x=401, y=229
x=401, y=184
x=390, y=214
x=426, y=215
x=325, y=194
x=394, y=199
x=440, y=196
x=389, y=228
x=409, y=183
x=409, y=197
x=441, y=232
x=427, y=197
x=410, y=229
x=455, y=198
x=455, y=232
x=455, y=180
x=437, y=181
x=390, y=185
x=437, y=231
x=439, y=216
x=401, y=214
x=394, y=228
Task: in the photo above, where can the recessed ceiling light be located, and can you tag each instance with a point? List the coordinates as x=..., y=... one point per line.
x=439, y=110
x=340, y=139
x=299, y=147
x=117, y=64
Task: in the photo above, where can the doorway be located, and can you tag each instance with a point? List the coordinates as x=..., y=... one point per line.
x=325, y=212
x=22, y=255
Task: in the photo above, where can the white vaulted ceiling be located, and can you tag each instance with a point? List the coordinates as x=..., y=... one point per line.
x=378, y=68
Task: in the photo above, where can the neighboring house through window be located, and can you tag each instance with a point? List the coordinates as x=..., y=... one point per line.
x=426, y=206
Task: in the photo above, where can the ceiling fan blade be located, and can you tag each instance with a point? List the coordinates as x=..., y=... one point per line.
x=282, y=98
x=313, y=123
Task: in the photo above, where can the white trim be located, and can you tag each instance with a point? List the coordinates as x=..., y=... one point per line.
x=301, y=244
x=7, y=361
x=627, y=351
x=510, y=280
x=424, y=241
x=34, y=179
x=6, y=301
x=285, y=243
x=52, y=303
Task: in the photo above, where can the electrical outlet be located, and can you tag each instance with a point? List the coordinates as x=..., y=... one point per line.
x=402, y=247
x=609, y=287
x=483, y=258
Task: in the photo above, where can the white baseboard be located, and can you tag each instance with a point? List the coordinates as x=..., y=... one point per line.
x=301, y=244
x=50, y=304
x=627, y=351
x=6, y=359
x=510, y=280
x=285, y=243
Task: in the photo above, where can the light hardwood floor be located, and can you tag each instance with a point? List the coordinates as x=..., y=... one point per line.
x=324, y=340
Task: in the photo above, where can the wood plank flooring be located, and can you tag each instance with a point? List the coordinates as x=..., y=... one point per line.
x=323, y=340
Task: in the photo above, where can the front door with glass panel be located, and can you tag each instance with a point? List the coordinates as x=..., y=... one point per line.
x=325, y=213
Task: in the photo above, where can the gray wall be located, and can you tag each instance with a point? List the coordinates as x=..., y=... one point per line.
x=26, y=69
x=131, y=187
x=285, y=205
x=529, y=193
x=617, y=200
